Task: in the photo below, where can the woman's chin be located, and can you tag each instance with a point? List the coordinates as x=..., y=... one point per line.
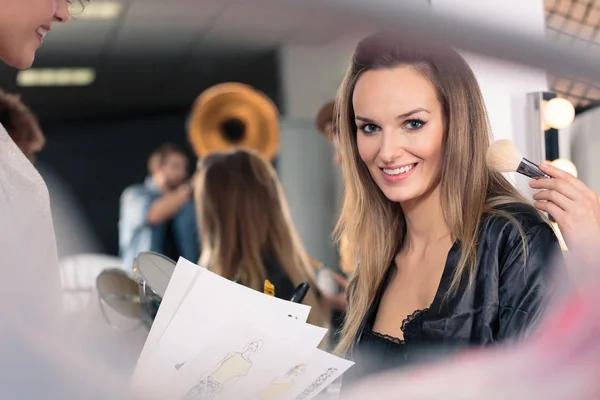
x=399, y=197
x=21, y=59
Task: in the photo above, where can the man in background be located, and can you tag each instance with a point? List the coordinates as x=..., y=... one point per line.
x=158, y=215
x=325, y=125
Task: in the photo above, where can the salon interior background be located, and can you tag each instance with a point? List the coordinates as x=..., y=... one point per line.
x=151, y=58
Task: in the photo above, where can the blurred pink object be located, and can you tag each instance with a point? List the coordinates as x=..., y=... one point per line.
x=560, y=361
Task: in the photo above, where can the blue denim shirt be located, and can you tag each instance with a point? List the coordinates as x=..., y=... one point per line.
x=137, y=235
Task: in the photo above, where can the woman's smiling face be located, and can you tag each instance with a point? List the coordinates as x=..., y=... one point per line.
x=400, y=131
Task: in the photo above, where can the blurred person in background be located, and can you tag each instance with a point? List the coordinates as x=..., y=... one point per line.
x=325, y=123
x=158, y=215
x=247, y=232
x=21, y=124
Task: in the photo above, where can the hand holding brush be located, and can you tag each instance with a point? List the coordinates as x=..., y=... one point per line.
x=572, y=204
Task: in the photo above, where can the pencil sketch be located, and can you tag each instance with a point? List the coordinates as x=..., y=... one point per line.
x=225, y=374
x=317, y=384
x=280, y=385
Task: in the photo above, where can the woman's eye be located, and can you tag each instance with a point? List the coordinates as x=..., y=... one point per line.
x=414, y=124
x=369, y=128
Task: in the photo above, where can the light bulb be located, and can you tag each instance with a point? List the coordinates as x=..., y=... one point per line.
x=545, y=125
x=559, y=113
x=565, y=165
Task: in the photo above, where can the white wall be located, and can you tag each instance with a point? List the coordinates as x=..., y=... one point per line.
x=585, y=147
x=505, y=85
x=311, y=77
x=307, y=174
x=310, y=179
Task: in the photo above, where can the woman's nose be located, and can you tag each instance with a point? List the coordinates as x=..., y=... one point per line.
x=61, y=14
x=391, y=147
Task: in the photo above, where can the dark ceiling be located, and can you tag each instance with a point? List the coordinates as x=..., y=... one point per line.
x=145, y=84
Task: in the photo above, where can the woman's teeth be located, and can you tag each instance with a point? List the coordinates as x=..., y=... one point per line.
x=41, y=31
x=398, y=171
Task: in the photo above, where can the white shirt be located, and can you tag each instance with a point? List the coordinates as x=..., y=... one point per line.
x=29, y=273
x=39, y=357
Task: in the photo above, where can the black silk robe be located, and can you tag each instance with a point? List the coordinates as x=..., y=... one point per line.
x=507, y=298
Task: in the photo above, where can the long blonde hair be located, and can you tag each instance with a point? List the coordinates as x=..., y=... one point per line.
x=243, y=218
x=372, y=224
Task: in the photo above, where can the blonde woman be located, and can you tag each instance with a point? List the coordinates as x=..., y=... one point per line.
x=449, y=254
x=247, y=232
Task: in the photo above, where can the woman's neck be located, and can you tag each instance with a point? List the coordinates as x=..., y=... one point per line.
x=425, y=222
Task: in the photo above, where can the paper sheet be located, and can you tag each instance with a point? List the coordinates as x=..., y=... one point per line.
x=213, y=302
x=240, y=360
x=318, y=372
x=204, y=319
x=243, y=362
x=182, y=280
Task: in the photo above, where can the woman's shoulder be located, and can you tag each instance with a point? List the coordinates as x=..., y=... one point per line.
x=516, y=217
x=511, y=223
x=516, y=234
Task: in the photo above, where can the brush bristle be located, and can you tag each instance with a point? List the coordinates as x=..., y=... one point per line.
x=503, y=156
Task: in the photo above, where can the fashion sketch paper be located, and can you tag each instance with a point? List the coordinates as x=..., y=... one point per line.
x=241, y=359
x=214, y=302
x=306, y=380
x=181, y=281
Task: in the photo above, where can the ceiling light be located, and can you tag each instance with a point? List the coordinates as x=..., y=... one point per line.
x=56, y=77
x=100, y=10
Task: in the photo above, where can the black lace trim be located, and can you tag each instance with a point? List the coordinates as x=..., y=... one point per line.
x=389, y=338
x=404, y=328
x=410, y=318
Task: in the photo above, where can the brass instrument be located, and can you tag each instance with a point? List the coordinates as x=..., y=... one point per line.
x=233, y=115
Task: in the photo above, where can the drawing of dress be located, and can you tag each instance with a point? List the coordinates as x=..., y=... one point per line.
x=275, y=388
x=232, y=367
x=280, y=385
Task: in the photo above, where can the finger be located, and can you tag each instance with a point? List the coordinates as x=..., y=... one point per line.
x=340, y=280
x=556, y=212
x=560, y=174
x=560, y=185
x=555, y=197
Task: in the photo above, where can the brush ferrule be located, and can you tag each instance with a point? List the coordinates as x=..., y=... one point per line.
x=530, y=170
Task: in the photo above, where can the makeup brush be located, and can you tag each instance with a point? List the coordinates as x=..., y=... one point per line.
x=503, y=156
